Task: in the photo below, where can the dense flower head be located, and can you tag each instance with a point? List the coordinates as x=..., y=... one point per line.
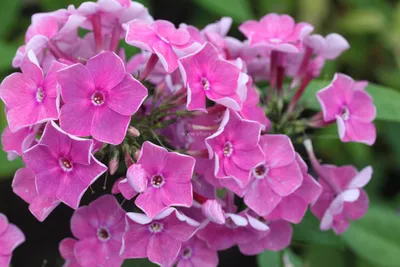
x=201, y=154
x=10, y=238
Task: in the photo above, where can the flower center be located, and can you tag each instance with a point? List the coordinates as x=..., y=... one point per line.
x=260, y=171
x=187, y=253
x=228, y=149
x=66, y=165
x=156, y=227
x=157, y=180
x=103, y=234
x=98, y=98
x=205, y=83
x=345, y=113
x=39, y=95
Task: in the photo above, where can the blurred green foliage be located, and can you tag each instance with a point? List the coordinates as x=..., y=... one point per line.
x=372, y=27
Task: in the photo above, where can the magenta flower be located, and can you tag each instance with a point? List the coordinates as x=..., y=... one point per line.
x=25, y=187
x=196, y=253
x=277, y=238
x=30, y=97
x=329, y=47
x=161, y=38
x=251, y=111
x=342, y=198
x=277, y=177
x=100, y=98
x=16, y=142
x=278, y=32
x=99, y=228
x=63, y=165
x=159, y=239
x=235, y=148
x=10, y=238
x=168, y=177
x=293, y=207
x=66, y=249
x=347, y=102
x=206, y=75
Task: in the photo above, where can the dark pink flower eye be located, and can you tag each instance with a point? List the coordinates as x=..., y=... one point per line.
x=98, y=98
x=157, y=180
x=103, y=234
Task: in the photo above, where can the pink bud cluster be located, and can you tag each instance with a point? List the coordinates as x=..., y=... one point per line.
x=185, y=125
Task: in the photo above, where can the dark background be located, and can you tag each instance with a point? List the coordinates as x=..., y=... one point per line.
x=372, y=27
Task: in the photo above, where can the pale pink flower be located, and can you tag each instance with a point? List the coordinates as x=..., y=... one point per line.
x=347, y=102
x=278, y=32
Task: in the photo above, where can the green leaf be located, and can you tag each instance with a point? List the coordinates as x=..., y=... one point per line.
x=9, y=14
x=138, y=263
x=362, y=21
x=386, y=100
x=272, y=259
x=277, y=6
x=376, y=237
x=308, y=232
x=326, y=256
x=239, y=10
x=51, y=5
x=7, y=53
x=268, y=259
x=313, y=11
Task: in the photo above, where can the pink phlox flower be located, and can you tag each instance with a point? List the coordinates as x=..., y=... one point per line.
x=251, y=110
x=278, y=32
x=342, y=198
x=15, y=143
x=66, y=248
x=159, y=239
x=99, y=228
x=163, y=179
x=347, y=102
x=161, y=38
x=293, y=207
x=207, y=75
x=10, y=238
x=235, y=148
x=30, y=96
x=277, y=177
x=196, y=253
x=277, y=236
x=24, y=186
x=329, y=47
x=63, y=165
x=99, y=98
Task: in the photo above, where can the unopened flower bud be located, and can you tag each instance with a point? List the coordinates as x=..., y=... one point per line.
x=137, y=154
x=212, y=210
x=114, y=163
x=132, y=131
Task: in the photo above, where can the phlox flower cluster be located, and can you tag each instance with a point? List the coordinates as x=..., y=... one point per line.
x=202, y=158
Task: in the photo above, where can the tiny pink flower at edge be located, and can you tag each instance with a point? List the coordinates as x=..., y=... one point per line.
x=10, y=238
